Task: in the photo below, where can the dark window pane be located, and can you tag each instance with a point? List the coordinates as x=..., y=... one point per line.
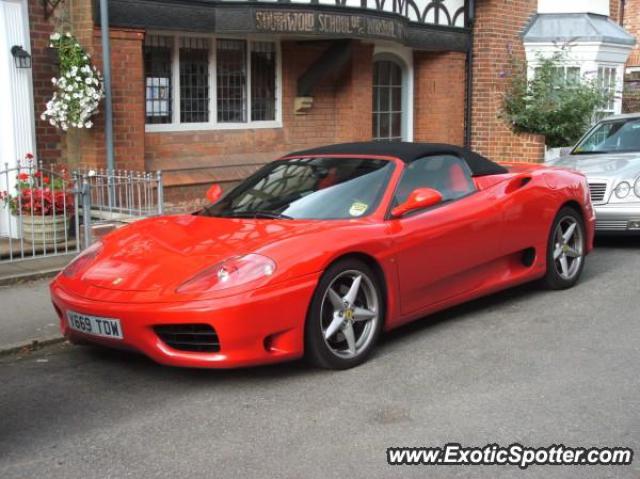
x=384, y=99
x=376, y=99
x=387, y=101
x=383, y=78
x=396, y=99
x=396, y=126
x=194, y=80
x=376, y=126
x=263, y=81
x=384, y=126
x=395, y=74
x=157, y=78
x=232, y=81
x=448, y=174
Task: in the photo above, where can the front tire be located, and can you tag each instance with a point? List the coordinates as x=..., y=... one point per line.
x=565, y=250
x=345, y=317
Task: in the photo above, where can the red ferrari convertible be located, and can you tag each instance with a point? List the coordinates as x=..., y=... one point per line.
x=318, y=252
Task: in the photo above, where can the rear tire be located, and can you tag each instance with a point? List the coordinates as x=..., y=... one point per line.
x=565, y=250
x=345, y=317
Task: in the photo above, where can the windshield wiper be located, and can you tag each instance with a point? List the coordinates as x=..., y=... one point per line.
x=257, y=214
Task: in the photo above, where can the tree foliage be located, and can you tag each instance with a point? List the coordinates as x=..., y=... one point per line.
x=552, y=103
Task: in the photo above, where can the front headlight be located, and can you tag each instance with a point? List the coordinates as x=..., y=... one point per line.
x=636, y=187
x=235, y=271
x=622, y=190
x=81, y=261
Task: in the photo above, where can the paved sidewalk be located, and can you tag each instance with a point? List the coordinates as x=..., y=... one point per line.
x=27, y=318
x=26, y=315
x=29, y=269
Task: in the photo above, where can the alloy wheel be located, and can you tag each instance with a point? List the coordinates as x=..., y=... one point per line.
x=568, y=247
x=349, y=314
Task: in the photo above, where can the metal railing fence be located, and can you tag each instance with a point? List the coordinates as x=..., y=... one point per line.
x=47, y=212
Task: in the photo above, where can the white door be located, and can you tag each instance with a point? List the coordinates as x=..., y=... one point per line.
x=16, y=99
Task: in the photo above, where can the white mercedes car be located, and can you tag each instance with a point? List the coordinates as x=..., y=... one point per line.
x=609, y=155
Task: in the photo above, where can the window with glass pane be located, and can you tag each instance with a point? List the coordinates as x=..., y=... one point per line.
x=563, y=74
x=194, y=80
x=231, y=76
x=387, y=101
x=157, y=78
x=263, y=81
x=607, y=81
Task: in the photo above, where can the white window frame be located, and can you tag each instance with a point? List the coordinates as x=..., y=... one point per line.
x=617, y=89
x=589, y=56
x=213, y=123
x=404, y=57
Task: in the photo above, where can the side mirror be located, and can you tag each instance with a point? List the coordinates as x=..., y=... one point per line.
x=418, y=199
x=214, y=193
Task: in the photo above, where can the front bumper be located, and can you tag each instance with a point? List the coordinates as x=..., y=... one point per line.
x=617, y=218
x=258, y=327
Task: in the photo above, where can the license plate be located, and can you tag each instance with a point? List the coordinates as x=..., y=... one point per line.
x=94, y=325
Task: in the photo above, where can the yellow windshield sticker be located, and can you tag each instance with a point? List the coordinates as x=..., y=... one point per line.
x=358, y=208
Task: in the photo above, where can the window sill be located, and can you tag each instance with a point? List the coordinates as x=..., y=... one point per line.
x=185, y=127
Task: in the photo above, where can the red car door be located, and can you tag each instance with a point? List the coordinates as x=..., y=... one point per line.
x=451, y=248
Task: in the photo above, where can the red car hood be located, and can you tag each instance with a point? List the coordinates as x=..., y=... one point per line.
x=164, y=252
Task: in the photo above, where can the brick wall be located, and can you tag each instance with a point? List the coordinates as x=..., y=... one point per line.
x=48, y=140
x=614, y=10
x=497, y=32
x=631, y=23
x=86, y=147
x=439, y=97
x=353, y=97
x=341, y=112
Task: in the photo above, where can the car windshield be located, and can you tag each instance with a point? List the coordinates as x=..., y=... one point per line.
x=611, y=137
x=308, y=188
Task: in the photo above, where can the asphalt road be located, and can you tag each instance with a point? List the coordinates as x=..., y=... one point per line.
x=524, y=366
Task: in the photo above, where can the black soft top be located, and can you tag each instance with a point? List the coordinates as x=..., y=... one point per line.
x=408, y=152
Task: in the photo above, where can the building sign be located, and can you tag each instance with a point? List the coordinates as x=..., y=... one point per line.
x=328, y=24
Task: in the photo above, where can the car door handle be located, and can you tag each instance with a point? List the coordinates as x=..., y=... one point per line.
x=517, y=183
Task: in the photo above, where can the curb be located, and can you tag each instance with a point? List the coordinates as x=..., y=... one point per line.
x=24, y=277
x=30, y=346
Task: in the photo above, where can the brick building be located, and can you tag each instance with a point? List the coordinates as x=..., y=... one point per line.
x=629, y=18
x=208, y=90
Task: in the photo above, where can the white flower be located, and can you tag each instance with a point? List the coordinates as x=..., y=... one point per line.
x=55, y=36
x=88, y=124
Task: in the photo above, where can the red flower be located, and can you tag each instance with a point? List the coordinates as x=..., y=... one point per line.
x=38, y=174
x=23, y=176
x=45, y=180
x=29, y=156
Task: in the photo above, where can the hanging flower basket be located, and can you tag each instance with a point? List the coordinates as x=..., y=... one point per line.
x=78, y=88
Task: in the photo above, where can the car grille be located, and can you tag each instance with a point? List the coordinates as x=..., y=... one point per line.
x=189, y=337
x=598, y=191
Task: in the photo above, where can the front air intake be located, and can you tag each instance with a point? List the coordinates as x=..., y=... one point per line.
x=197, y=338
